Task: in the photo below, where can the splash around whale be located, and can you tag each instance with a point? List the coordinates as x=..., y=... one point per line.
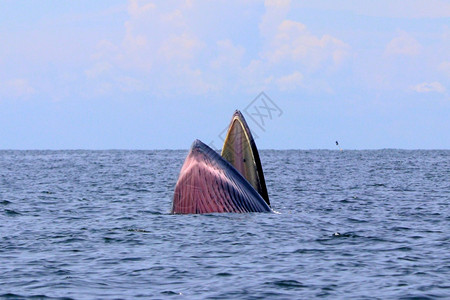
x=231, y=183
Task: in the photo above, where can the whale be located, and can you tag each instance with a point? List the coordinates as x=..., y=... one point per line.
x=239, y=149
x=208, y=183
x=232, y=182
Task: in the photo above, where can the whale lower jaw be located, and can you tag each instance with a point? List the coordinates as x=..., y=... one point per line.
x=209, y=184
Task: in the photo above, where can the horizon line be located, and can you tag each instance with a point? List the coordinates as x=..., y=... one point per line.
x=187, y=149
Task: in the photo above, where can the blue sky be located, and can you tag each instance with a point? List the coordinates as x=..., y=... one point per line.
x=159, y=74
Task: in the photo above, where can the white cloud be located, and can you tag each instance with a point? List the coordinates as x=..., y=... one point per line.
x=103, y=88
x=293, y=42
x=167, y=47
x=276, y=11
x=159, y=48
x=256, y=77
x=229, y=56
x=174, y=17
x=426, y=87
x=152, y=33
x=136, y=51
x=104, y=48
x=16, y=88
x=97, y=69
x=290, y=82
x=185, y=79
x=288, y=46
x=180, y=47
x=129, y=84
x=403, y=44
x=136, y=10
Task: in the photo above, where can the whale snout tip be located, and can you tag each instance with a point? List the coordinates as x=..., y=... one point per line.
x=237, y=113
x=197, y=144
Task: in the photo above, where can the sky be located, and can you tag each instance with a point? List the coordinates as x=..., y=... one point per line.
x=160, y=74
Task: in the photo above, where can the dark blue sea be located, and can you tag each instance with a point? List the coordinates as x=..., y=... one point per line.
x=348, y=224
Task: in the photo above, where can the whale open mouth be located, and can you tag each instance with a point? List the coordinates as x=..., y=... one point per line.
x=233, y=182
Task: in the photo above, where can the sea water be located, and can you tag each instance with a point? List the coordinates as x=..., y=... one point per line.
x=348, y=224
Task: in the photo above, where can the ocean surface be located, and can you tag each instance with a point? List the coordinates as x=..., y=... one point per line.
x=350, y=224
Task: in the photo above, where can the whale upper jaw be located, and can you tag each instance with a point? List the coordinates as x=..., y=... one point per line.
x=240, y=150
